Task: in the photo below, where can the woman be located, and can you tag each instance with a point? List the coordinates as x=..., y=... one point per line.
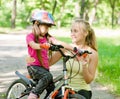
x=83, y=38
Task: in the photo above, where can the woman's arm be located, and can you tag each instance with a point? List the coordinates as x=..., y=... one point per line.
x=54, y=58
x=90, y=70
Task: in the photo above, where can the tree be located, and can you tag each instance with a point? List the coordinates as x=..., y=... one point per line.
x=54, y=7
x=13, y=16
x=0, y=2
x=94, y=11
x=112, y=4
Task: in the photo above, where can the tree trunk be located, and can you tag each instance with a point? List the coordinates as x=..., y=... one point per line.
x=82, y=9
x=112, y=3
x=77, y=9
x=13, y=17
x=94, y=10
x=61, y=12
x=54, y=7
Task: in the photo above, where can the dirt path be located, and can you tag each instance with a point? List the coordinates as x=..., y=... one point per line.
x=12, y=58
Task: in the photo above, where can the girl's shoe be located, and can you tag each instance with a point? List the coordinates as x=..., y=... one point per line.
x=32, y=96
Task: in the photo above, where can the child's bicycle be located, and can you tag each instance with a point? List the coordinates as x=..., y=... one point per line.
x=21, y=88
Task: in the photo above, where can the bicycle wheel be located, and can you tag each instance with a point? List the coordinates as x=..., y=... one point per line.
x=16, y=89
x=76, y=96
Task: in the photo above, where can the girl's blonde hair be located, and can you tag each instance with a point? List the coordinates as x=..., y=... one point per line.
x=90, y=39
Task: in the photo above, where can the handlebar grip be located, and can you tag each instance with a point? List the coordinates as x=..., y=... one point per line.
x=54, y=47
x=83, y=53
x=45, y=46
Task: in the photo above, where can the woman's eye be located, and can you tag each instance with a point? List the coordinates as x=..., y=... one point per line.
x=75, y=31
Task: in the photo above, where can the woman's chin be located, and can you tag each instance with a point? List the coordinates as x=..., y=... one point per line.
x=73, y=41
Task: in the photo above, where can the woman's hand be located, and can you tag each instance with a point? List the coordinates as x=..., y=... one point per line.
x=84, y=60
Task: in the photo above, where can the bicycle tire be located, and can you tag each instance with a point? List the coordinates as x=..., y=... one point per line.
x=15, y=90
x=76, y=96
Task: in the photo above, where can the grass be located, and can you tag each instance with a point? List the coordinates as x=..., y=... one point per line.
x=2, y=95
x=109, y=63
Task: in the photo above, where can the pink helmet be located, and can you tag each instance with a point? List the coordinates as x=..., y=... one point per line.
x=43, y=17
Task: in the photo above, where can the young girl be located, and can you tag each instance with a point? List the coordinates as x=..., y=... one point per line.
x=83, y=37
x=39, y=61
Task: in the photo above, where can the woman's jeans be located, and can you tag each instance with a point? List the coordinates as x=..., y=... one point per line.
x=44, y=78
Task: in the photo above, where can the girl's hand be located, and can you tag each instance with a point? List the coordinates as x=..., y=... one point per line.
x=45, y=46
x=36, y=29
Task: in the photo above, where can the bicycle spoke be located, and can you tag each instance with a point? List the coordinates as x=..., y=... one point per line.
x=16, y=90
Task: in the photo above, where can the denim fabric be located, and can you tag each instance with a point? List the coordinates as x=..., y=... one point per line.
x=43, y=76
x=85, y=93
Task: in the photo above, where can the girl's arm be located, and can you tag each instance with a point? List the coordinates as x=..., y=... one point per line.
x=39, y=46
x=34, y=45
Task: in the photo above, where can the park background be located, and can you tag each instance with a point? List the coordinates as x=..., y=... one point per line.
x=104, y=16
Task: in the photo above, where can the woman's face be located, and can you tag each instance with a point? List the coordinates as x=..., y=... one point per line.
x=77, y=34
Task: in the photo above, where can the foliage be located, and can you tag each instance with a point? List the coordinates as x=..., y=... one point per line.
x=5, y=15
x=64, y=11
x=2, y=95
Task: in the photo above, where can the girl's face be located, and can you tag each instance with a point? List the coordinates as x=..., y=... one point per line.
x=43, y=29
x=77, y=34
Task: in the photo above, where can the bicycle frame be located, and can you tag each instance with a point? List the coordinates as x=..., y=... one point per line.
x=61, y=81
x=64, y=85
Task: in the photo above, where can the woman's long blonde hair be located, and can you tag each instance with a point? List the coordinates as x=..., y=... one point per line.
x=90, y=39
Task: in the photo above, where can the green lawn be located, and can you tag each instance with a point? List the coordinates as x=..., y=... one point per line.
x=109, y=63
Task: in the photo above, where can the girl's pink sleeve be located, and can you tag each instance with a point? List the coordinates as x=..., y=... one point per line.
x=29, y=38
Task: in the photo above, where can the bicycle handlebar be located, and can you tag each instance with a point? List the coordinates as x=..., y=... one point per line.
x=79, y=52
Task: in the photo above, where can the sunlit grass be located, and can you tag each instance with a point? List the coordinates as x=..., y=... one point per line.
x=109, y=63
